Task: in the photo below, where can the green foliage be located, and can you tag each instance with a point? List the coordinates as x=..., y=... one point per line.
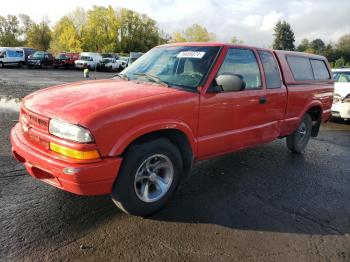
x=318, y=45
x=284, y=36
x=236, y=41
x=105, y=29
x=39, y=35
x=194, y=33
x=9, y=31
x=339, y=62
x=304, y=45
x=65, y=37
x=343, y=47
x=138, y=32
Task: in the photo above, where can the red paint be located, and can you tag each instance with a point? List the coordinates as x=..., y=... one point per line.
x=117, y=112
x=68, y=61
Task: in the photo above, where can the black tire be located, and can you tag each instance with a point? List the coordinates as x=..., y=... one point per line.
x=125, y=189
x=1, y=65
x=298, y=141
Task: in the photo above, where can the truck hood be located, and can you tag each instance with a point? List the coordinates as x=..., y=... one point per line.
x=342, y=89
x=74, y=101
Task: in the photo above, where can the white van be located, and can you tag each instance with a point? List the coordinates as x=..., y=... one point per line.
x=89, y=60
x=11, y=56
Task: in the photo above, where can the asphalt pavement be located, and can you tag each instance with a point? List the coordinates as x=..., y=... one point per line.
x=260, y=204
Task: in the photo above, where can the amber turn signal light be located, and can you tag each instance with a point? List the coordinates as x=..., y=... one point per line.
x=71, y=153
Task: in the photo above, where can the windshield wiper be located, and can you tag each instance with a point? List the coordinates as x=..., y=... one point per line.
x=153, y=78
x=122, y=76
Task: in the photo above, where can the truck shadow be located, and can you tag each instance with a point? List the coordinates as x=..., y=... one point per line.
x=260, y=189
x=268, y=189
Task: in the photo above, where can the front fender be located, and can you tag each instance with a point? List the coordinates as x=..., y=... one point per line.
x=146, y=128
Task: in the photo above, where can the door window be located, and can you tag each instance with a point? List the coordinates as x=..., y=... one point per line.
x=271, y=69
x=242, y=62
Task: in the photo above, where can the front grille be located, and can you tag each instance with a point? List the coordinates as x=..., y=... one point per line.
x=31, y=122
x=34, y=121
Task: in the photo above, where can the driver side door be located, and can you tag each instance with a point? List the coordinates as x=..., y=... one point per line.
x=229, y=121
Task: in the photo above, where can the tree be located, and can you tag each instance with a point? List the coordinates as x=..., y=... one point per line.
x=65, y=37
x=39, y=35
x=284, y=36
x=79, y=19
x=26, y=23
x=194, y=33
x=318, y=45
x=9, y=31
x=101, y=30
x=137, y=32
x=304, y=44
x=236, y=41
x=343, y=47
x=339, y=62
x=343, y=43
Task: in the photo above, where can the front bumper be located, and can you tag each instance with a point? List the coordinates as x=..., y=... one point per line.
x=34, y=62
x=95, y=178
x=341, y=110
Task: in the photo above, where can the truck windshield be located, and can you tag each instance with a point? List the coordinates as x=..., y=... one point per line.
x=61, y=56
x=183, y=66
x=38, y=55
x=86, y=58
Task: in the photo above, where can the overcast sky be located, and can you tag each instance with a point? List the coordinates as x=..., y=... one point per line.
x=250, y=20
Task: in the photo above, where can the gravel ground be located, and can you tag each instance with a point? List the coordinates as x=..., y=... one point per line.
x=261, y=204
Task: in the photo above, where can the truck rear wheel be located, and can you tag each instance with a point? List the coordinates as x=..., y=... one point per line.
x=148, y=177
x=298, y=141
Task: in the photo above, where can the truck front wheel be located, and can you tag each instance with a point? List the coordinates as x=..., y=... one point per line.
x=298, y=141
x=148, y=177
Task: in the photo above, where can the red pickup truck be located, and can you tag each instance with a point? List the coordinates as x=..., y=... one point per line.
x=137, y=135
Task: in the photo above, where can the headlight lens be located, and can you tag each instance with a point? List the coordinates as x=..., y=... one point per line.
x=346, y=99
x=337, y=99
x=69, y=131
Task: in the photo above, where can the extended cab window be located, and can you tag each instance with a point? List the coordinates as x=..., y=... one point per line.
x=320, y=69
x=271, y=69
x=242, y=62
x=301, y=68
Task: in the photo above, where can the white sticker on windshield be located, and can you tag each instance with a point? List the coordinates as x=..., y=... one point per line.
x=191, y=54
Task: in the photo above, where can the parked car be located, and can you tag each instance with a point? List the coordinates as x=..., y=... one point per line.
x=107, y=55
x=123, y=60
x=110, y=64
x=133, y=57
x=136, y=136
x=28, y=51
x=66, y=60
x=40, y=59
x=88, y=60
x=341, y=101
x=11, y=56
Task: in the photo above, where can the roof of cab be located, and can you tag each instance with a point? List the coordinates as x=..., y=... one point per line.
x=207, y=44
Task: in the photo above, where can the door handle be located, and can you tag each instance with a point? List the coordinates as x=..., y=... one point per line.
x=262, y=100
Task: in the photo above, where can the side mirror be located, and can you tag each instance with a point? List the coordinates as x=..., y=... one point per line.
x=230, y=82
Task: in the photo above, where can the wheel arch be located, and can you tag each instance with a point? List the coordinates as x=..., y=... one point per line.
x=315, y=110
x=179, y=134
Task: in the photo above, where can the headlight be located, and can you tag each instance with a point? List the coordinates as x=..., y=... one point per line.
x=69, y=131
x=346, y=99
x=337, y=99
